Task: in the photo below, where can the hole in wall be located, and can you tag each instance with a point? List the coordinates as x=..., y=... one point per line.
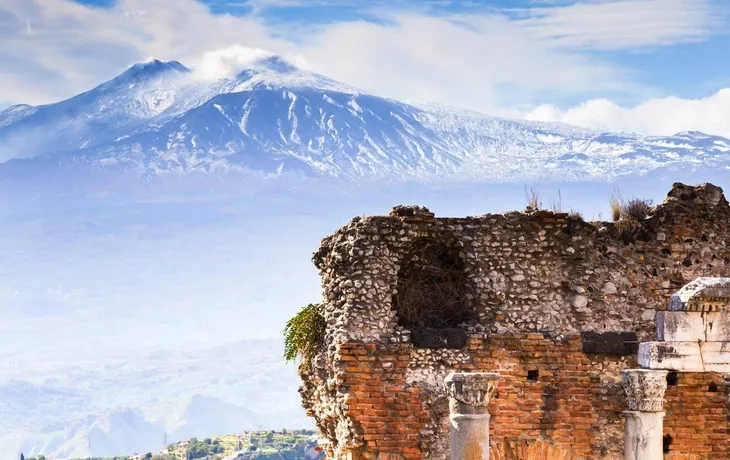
x=432, y=286
x=672, y=378
x=533, y=375
x=712, y=388
x=666, y=442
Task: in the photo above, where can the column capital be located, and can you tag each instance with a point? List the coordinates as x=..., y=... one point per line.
x=645, y=389
x=470, y=393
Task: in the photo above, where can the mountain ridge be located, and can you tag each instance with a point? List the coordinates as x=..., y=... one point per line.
x=160, y=117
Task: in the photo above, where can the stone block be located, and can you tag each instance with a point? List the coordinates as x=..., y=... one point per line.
x=677, y=356
x=692, y=326
x=611, y=343
x=716, y=356
x=426, y=337
x=685, y=356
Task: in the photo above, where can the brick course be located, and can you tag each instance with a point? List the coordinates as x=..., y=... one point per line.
x=575, y=404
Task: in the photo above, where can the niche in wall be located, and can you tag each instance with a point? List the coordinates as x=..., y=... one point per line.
x=430, y=297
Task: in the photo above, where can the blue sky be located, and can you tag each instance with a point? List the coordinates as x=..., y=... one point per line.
x=544, y=59
x=689, y=65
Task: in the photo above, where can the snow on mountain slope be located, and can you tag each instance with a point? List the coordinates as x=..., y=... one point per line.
x=160, y=117
x=96, y=116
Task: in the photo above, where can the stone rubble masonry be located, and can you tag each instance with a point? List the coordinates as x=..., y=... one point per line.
x=536, y=281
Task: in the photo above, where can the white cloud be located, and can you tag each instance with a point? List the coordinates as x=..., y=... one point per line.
x=74, y=47
x=227, y=62
x=230, y=61
x=483, y=66
x=484, y=61
x=665, y=116
x=624, y=23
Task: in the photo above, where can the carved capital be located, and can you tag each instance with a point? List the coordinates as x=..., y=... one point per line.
x=645, y=389
x=470, y=393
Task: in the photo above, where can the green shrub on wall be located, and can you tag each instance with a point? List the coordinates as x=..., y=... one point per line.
x=303, y=334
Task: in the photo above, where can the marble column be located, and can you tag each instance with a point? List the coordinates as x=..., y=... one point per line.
x=469, y=395
x=645, y=418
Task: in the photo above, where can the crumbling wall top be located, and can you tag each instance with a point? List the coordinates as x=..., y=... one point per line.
x=707, y=196
x=525, y=271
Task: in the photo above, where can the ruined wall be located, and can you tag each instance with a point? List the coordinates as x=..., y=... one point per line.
x=529, y=283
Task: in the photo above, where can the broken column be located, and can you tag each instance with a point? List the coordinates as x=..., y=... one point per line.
x=469, y=395
x=645, y=418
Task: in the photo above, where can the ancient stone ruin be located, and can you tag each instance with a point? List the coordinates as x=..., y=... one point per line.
x=556, y=338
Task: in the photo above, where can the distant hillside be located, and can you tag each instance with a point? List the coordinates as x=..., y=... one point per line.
x=250, y=445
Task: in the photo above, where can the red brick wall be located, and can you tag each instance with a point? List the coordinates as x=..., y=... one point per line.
x=697, y=419
x=576, y=403
x=390, y=414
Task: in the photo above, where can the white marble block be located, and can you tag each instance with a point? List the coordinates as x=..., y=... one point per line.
x=692, y=326
x=716, y=356
x=685, y=356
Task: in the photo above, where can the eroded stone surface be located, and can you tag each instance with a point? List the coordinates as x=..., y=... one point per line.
x=677, y=356
x=529, y=449
x=469, y=437
x=685, y=356
x=693, y=326
x=715, y=356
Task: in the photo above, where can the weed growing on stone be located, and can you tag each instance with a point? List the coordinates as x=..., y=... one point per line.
x=304, y=333
x=616, y=203
x=533, y=199
x=636, y=209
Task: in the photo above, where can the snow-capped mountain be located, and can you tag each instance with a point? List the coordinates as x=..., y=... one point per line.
x=272, y=118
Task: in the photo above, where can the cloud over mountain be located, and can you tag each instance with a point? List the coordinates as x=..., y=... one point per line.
x=661, y=116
